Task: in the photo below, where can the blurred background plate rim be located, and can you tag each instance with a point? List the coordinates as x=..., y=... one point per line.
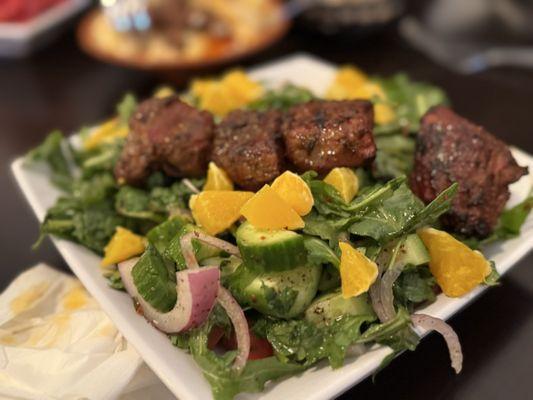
x=262, y=43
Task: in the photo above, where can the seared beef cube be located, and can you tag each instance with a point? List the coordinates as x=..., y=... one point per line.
x=321, y=135
x=248, y=146
x=166, y=134
x=453, y=149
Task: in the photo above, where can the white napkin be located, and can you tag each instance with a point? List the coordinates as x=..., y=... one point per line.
x=56, y=343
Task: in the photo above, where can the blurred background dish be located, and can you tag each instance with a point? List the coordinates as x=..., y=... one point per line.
x=357, y=18
x=26, y=25
x=187, y=34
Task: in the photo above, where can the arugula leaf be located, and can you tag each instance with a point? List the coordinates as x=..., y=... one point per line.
x=401, y=213
x=410, y=101
x=99, y=159
x=493, y=278
x=91, y=225
x=152, y=279
x=395, y=155
x=327, y=228
x=134, y=203
x=301, y=341
x=328, y=200
x=97, y=188
x=50, y=152
x=415, y=285
x=282, y=98
x=389, y=217
x=320, y=253
x=126, y=107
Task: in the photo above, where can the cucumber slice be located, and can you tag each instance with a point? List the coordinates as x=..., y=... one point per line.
x=281, y=294
x=161, y=235
x=270, y=250
x=201, y=250
x=152, y=280
x=327, y=308
x=413, y=251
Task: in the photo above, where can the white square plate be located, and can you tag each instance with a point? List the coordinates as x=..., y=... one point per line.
x=176, y=368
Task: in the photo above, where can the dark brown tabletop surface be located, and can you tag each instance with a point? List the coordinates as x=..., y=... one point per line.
x=60, y=87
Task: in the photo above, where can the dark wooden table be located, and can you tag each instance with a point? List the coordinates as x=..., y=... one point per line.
x=61, y=87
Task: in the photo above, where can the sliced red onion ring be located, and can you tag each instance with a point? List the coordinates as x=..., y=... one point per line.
x=188, y=250
x=225, y=299
x=385, y=291
x=189, y=184
x=196, y=290
x=242, y=333
x=452, y=341
x=375, y=289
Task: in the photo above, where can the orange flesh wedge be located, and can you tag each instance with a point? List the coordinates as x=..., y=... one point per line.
x=345, y=181
x=217, y=179
x=267, y=210
x=294, y=191
x=457, y=268
x=358, y=272
x=123, y=245
x=216, y=210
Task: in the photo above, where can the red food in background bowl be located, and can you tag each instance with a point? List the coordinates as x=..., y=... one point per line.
x=24, y=10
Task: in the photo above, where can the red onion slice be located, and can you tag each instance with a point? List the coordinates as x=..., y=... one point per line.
x=188, y=250
x=385, y=291
x=242, y=333
x=196, y=290
x=452, y=341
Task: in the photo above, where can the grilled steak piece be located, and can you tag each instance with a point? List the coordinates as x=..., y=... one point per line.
x=453, y=149
x=166, y=134
x=248, y=146
x=321, y=135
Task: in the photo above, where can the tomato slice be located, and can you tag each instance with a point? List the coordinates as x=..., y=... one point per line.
x=214, y=337
x=259, y=348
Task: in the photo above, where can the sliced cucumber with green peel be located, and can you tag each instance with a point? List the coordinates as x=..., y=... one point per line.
x=281, y=294
x=270, y=250
x=413, y=251
x=201, y=250
x=327, y=308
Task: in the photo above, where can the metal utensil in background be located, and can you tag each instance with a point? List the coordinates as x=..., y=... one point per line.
x=470, y=37
x=127, y=15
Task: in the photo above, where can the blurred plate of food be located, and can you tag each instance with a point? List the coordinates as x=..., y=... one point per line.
x=187, y=34
x=26, y=24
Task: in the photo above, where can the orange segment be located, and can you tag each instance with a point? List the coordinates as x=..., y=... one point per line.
x=358, y=272
x=106, y=133
x=345, y=80
x=217, y=179
x=216, y=210
x=345, y=181
x=457, y=268
x=267, y=210
x=123, y=245
x=352, y=83
x=294, y=191
x=220, y=96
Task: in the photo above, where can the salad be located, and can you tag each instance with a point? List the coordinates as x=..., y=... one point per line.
x=265, y=230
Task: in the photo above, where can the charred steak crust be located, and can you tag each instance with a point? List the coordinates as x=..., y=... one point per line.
x=166, y=134
x=321, y=135
x=249, y=147
x=452, y=149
